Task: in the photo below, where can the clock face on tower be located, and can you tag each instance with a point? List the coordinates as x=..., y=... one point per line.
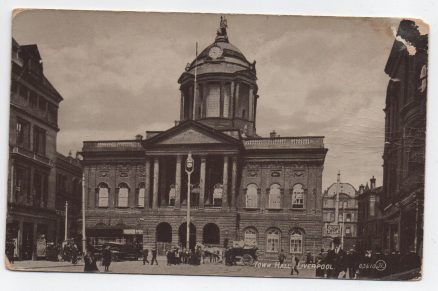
x=215, y=52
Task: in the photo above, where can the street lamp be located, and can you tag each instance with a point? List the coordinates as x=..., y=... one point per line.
x=66, y=221
x=190, y=166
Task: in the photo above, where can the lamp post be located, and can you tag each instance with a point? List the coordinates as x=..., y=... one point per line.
x=190, y=165
x=84, y=239
x=66, y=221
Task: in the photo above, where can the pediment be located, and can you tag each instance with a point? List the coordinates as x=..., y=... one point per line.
x=191, y=132
x=190, y=136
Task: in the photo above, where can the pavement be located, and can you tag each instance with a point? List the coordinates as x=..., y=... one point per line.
x=259, y=269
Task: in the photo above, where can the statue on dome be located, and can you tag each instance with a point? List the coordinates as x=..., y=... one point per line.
x=222, y=31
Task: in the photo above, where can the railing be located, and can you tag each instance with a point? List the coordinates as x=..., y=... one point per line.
x=32, y=155
x=284, y=142
x=117, y=145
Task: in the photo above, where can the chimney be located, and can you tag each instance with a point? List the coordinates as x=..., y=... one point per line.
x=138, y=137
x=373, y=183
x=273, y=134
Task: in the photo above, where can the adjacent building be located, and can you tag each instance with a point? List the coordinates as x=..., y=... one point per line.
x=369, y=226
x=339, y=207
x=263, y=190
x=405, y=132
x=32, y=215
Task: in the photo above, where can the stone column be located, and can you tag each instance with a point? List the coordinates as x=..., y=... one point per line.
x=236, y=101
x=251, y=104
x=155, y=185
x=225, y=183
x=233, y=182
x=178, y=181
x=202, y=182
x=147, y=183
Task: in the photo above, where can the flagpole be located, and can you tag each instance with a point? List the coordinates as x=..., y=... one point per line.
x=195, y=89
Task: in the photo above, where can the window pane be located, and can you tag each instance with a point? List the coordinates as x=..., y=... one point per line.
x=250, y=237
x=103, y=197
x=251, y=196
x=123, y=197
x=140, y=202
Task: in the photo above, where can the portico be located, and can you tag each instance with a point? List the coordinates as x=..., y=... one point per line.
x=214, y=180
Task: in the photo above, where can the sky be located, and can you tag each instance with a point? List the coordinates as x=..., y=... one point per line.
x=118, y=72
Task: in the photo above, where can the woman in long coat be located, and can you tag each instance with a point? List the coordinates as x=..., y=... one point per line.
x=90, y=263
x=106, y=258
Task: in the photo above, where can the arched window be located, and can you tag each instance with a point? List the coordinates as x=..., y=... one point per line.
x=274, y=196
x=273, y=237
x=102, y=192
x=122, y=195
x=250, y=237
x=251, y=196
x=140, y=195
x=172, y=195
x=296, y=242
x=298, y=196
x=211, y=234
x=217, y=195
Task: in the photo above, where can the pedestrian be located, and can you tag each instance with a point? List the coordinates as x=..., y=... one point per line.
x=154, y=256
x=106, y=258
x=281, y=257
x=145, y=256
x=169, y=257
x=336, y=258
x=320, y=260
x=90, y=263
x=295, y=260
x=353, y=264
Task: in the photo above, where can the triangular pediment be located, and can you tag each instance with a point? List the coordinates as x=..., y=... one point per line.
x=190, y=136
x=191, y=132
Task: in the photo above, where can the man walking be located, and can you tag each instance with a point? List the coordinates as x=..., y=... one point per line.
x=154, y=256
x=145, y=256
x=295, y=260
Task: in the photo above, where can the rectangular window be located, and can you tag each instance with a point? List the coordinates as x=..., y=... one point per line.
x=123, y=197
x=348, y=217
x=103, y=197
x=372, y=206
x=33, y=98
x=22, y=133
x=21, y=182
x=42, y=104
x=273, y=243
x=296, y=244
x=140, y=198
x=39, y=141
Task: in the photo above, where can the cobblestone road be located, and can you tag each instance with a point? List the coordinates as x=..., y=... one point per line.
x=137, y=267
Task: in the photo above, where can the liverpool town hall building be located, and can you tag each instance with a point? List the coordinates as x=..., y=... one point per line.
x=265, y=191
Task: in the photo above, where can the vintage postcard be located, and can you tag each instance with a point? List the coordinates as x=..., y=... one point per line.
x=205, y=144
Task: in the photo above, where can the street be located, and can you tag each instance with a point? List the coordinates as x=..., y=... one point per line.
x=137, y=267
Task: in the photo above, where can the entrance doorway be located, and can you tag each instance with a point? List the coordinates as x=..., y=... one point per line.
x=163, y=237
x=182, y=234
x=211, y=234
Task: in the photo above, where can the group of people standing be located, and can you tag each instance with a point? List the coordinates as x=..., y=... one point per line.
x=357, y=264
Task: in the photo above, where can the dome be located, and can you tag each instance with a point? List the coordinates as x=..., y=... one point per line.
x=218, y=88
x=221, y=57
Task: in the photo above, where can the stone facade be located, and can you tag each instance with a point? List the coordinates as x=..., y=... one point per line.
x=405, y=140
x=342, y=212
x=264, y=191
x=33, y=213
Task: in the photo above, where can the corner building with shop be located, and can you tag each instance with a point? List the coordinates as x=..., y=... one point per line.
x=264, y=190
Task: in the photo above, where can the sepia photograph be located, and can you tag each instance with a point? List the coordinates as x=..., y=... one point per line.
x=216, y=144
